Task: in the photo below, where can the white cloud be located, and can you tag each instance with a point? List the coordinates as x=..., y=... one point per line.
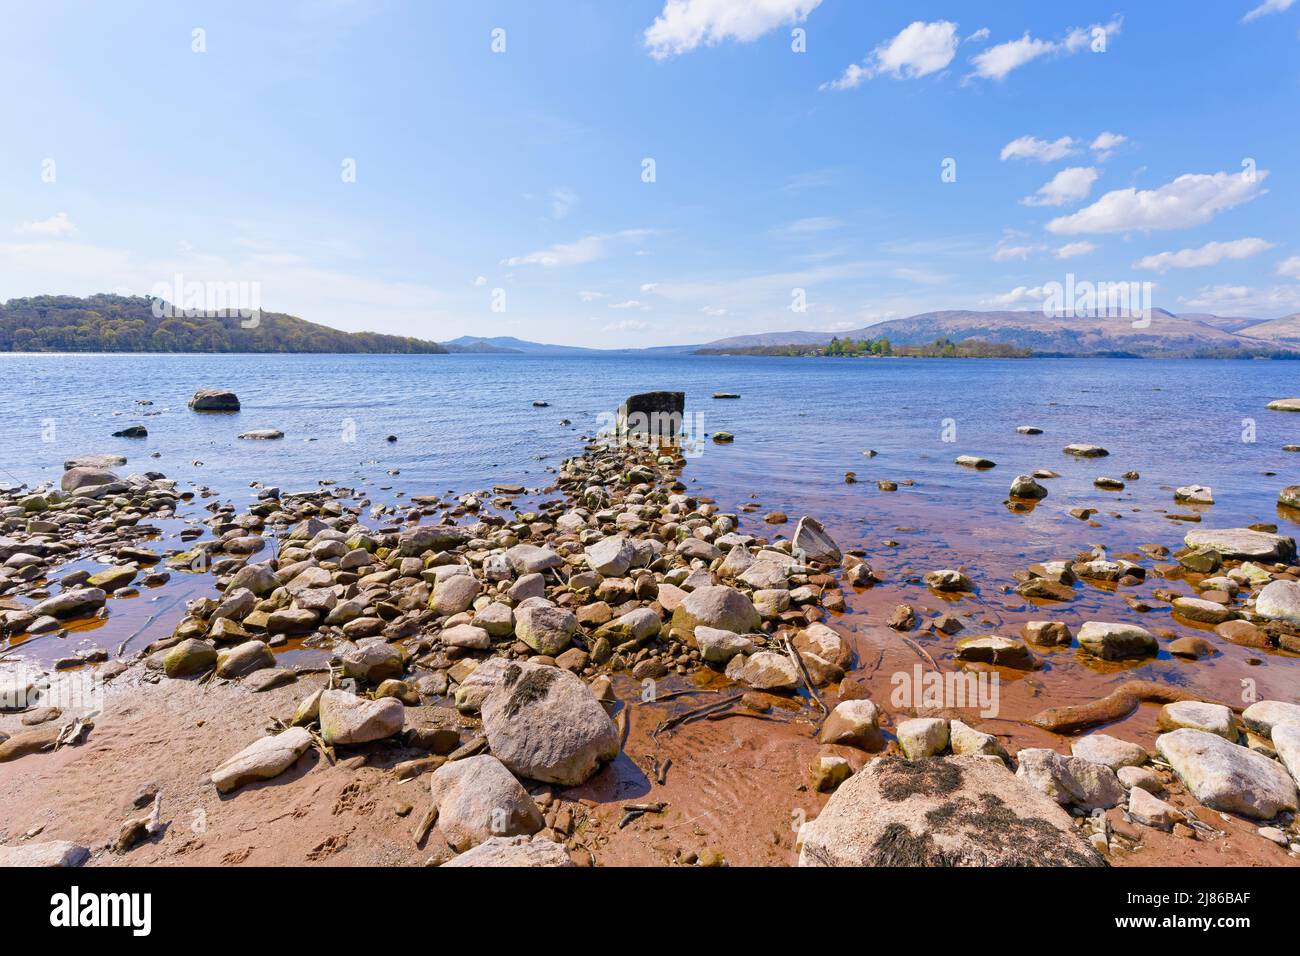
x=648, y=287
x=979, y=36
x=1239, y=299
x=562, y=200
x=588, y=296
x=1020, y=295
x=629, y=304
x=714, y=311
x=1210, y=254
x=1105, y=143
x=1267, y=7
x=684, y=25
x=1072, y=249
x=998, y=61
x=1045, y=151
x=1068, y=186
x=922, y=276
x=1289, y=267
x=56, y=226
x=584, y=250
x=919, y=50
x=1190, y=200
x=480, y=280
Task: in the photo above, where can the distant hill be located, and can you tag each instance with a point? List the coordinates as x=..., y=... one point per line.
x=508, y=343
x=114, y=323
x=1167, y=335
x=1285, y=330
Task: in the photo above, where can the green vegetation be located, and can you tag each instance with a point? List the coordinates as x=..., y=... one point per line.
x=881, y=347
x=114, y=323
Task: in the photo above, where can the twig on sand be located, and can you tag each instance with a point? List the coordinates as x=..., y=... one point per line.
x=694, y=713
x=920, y=651
x=797, y=660
x=121, y=648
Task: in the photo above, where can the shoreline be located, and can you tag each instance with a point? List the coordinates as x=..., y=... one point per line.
x=838, y=644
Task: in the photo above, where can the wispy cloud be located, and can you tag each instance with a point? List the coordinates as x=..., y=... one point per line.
x=803, y=228
x=997, y=62
x=1210, y=254
x=1045, y=151
x=1267, y=7
x=579, y=252
x=56, y=226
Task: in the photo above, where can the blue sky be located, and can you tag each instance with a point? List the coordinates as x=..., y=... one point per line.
x=505, y=193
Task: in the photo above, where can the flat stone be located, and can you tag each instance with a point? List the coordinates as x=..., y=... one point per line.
x=47, y=854
x=1242, y=544
x=262, y=760
x=514, y=852
x=1108, y=751
x=1212, y=718
x=1114, y=642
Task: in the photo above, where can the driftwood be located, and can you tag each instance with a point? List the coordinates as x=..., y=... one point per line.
x=1116, y=705
x=921, y=651
x=802, y=668
x=425, y=825
x=695, y=714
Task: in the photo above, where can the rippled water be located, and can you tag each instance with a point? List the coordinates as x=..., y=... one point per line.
x=465, y=422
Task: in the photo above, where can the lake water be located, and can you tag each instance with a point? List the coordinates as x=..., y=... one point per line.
x=465, y=422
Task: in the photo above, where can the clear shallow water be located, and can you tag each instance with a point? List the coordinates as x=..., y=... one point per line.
x=464, y=423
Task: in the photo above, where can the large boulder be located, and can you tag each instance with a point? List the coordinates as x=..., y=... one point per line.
x=1224, y=776
x=513, y=852
x=955, y=811
x=348, y=719
x=214, y=400
x=544, y=723
x=812, y=541
x=1279, y=601
x=657, y=414
x=1242, y=544
x=714, y=606
x=478, y=798
x=1263, y=715
x=86, y=477
x=262, y=759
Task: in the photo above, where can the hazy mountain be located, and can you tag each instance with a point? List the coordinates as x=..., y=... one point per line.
x=1225, y=322
x=508, y=343
x=115, y=323
x=1166, y=334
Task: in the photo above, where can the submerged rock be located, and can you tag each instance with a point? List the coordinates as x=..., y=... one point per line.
x=1242, y=544
x=957, y=811
x=1116, y=642
x=214, y=400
